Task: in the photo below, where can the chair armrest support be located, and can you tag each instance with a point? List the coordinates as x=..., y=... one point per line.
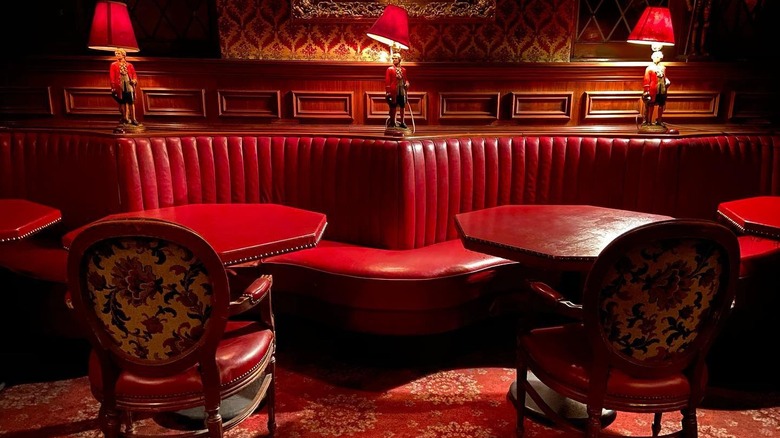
x=68, y=300
x=555, y=301
x=253, y=294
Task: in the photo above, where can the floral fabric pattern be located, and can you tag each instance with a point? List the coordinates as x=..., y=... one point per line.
x=653, y=299
x=152, y=296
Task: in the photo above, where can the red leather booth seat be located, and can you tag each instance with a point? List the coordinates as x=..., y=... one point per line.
x=390, y=261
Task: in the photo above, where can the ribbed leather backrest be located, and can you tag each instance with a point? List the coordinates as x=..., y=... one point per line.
x=355, y=182
x=73, y=172
x=384, y=193
x=722, y=168
x=456, y=175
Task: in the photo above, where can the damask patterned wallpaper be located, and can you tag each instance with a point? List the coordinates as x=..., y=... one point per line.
x=521, y=31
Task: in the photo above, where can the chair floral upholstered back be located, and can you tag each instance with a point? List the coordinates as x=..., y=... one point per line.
x=153, y=298
x=653, y=303
x=157, y=301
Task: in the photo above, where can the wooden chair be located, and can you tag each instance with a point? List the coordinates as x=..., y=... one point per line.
x=653, y=303
x=157, y=302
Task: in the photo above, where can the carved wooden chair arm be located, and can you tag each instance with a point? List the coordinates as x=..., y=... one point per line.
x=550, y=299
x=253, y=294
x=68, y=300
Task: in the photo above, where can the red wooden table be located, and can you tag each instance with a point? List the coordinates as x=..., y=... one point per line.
x=551, y=237
x=20, y=218
x=759, y=215
x=239, y=232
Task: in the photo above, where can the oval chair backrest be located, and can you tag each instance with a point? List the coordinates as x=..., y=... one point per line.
x=656, y=295
x=154, y=294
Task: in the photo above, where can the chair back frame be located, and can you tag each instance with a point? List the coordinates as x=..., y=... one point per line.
x=203, y=351
x=691, y=357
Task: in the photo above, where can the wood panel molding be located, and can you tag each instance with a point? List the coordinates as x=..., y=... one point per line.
x=204, y=93
x=542, y=105
x=90, y=101
x=468, y=106
x=612, y=106
x=620, y=105
x=327, y=105
x=168, y=102
x=377, y=108
x=753, y=105
x=28, y=101
x=692, y=105
x=250, y=103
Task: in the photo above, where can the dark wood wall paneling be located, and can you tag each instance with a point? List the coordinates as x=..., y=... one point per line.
x=225, y=94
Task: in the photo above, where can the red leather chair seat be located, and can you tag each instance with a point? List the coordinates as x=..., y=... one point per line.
x=565, y=353
x=242, y=347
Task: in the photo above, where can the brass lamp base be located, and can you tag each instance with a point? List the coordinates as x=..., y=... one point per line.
x=653, y=128
x=123, y=128
x=397, y=132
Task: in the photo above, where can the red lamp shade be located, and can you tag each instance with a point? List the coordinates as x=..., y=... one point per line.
x=111, y=28
x=653, y=27
x=392, y=28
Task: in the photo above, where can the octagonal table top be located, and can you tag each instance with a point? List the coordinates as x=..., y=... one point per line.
x=759, y=215
x=560, y=237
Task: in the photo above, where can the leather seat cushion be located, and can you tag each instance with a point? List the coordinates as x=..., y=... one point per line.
x=565, y=352
x=438, y=276
x=439, y=260
x=243, y=346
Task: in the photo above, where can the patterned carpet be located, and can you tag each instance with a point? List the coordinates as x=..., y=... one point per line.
x=361, y=386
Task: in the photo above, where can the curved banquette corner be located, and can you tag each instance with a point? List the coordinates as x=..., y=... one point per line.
x=390, y=261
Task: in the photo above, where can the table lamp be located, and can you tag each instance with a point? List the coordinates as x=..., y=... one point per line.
x=392, y=28
x=655, y=29
x=111, y=31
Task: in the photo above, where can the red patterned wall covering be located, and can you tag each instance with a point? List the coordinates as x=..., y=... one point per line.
x=522, y=31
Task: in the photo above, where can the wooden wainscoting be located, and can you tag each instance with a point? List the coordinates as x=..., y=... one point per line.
x=226, y=94
x=24, y=101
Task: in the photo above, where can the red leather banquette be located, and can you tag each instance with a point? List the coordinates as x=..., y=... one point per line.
x=390, y=261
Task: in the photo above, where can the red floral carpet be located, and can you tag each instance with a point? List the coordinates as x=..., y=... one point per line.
x=359, y=389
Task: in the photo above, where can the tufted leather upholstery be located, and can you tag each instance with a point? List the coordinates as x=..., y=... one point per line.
x=718, y=168
x=355, y=182
x=409, y=190
x=73, y=172
x=456, y=175
x=390, y=203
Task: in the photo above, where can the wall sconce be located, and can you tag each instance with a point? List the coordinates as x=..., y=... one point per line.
x=112, y=31
x=655, y=29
